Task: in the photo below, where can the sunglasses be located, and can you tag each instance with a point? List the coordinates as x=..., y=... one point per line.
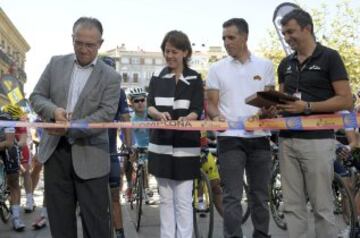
x=139, y=100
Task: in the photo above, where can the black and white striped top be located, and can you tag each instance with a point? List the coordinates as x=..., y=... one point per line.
x=175, y=154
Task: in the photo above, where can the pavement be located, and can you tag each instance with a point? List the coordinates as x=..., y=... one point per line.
x=150, y=225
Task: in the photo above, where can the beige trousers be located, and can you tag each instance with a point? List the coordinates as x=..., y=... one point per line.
x=307, y=172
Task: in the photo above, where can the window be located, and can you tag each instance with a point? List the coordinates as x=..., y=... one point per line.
x=2, y=46
x=135, y=60
x=136, y=77
x=158, y=61
x=148, y=61
x=124, y=60
x=125, y=77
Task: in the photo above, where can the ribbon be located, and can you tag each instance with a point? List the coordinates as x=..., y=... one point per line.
x=315, y=122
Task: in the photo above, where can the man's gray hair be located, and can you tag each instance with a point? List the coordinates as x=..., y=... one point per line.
x=88, y=22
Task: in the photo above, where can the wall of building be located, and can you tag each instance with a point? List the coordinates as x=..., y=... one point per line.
x=13, y=48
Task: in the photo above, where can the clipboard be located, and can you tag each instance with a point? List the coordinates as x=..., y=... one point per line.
x=269, y=98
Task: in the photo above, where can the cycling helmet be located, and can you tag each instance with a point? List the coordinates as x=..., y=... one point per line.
x=14, y=110
x=137, y=91
x=109, y=61
x=5, y=116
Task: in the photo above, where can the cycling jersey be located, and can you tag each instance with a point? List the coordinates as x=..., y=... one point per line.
x=11, y=155
x=210, y=168
x=140, y=135
x=25, y=152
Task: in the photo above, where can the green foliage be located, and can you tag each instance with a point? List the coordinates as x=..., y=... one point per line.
x=339, y=30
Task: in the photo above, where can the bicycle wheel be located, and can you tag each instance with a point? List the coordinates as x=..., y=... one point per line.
x=245, y=204
x=276, y=197
x=345, y=218
x=139, y=196
x=4, y=194
x=132, y=196
x=4, y=212
x=203, y=207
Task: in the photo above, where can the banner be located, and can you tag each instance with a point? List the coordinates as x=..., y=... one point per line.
x=279, y=13
x=10, y=87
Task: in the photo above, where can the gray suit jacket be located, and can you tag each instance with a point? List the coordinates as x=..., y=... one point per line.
x=97, y=103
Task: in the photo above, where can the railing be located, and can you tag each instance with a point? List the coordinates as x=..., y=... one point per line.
x=5, y=57
x=20, y=73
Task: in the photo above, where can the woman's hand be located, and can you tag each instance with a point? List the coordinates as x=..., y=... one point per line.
x=163, y=116
x=190, y=117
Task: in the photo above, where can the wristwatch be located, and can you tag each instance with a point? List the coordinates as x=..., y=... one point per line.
x=307, y=109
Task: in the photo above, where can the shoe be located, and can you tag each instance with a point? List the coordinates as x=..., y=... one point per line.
x=128, y=194
x=344, y=233
x=29, y=206
x=149, y=192
x=149, y=201
x=18, y=224
x=119, y=234
x=39, y=223
x=201, y=206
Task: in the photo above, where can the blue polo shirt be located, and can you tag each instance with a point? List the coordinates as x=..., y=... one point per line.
x=123, y=108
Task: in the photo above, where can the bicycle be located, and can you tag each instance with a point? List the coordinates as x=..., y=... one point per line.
x=203, y=195
x=139, y=182
x=275, y=191
x=4, y=194
x=344, y=208
x=203, y=216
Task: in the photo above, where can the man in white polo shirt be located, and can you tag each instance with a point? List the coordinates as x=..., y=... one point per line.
x=230, y=81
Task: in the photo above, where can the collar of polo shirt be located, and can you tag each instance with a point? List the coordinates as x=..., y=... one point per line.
x=238, y=62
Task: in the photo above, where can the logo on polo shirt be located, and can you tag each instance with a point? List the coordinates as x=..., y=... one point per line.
x=288, y=70
x=314, y=67
x=257, y=77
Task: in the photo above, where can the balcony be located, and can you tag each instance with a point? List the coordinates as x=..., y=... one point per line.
x=5, y=57
x=20, y=73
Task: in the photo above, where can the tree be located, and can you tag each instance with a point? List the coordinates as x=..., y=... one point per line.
x=340, y=31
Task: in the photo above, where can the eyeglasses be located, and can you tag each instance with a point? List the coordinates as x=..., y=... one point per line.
x=139, y=100
x=80, y=44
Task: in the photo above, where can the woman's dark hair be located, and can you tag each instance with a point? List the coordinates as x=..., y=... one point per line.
x=180, y=41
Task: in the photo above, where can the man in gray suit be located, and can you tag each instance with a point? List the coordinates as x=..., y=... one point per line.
x=80, y=88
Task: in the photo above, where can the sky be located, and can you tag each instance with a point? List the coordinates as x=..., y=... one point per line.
x=139, y=24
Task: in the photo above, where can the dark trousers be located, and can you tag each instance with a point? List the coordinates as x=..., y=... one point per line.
x=253, y=155
x=64, y=190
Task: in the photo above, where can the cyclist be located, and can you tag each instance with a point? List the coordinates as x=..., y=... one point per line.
x=208, y=164
x=39, y=222
x=9, y=153
x=137, y=99
x=122, y=114
x=21, y=136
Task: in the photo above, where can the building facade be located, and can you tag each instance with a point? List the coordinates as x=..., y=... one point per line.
x=13, y=48
x=137, y=67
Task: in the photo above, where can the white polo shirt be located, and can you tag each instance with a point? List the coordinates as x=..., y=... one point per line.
x=236, y=81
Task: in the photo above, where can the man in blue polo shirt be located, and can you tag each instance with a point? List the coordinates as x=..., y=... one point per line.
x=122, y=114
